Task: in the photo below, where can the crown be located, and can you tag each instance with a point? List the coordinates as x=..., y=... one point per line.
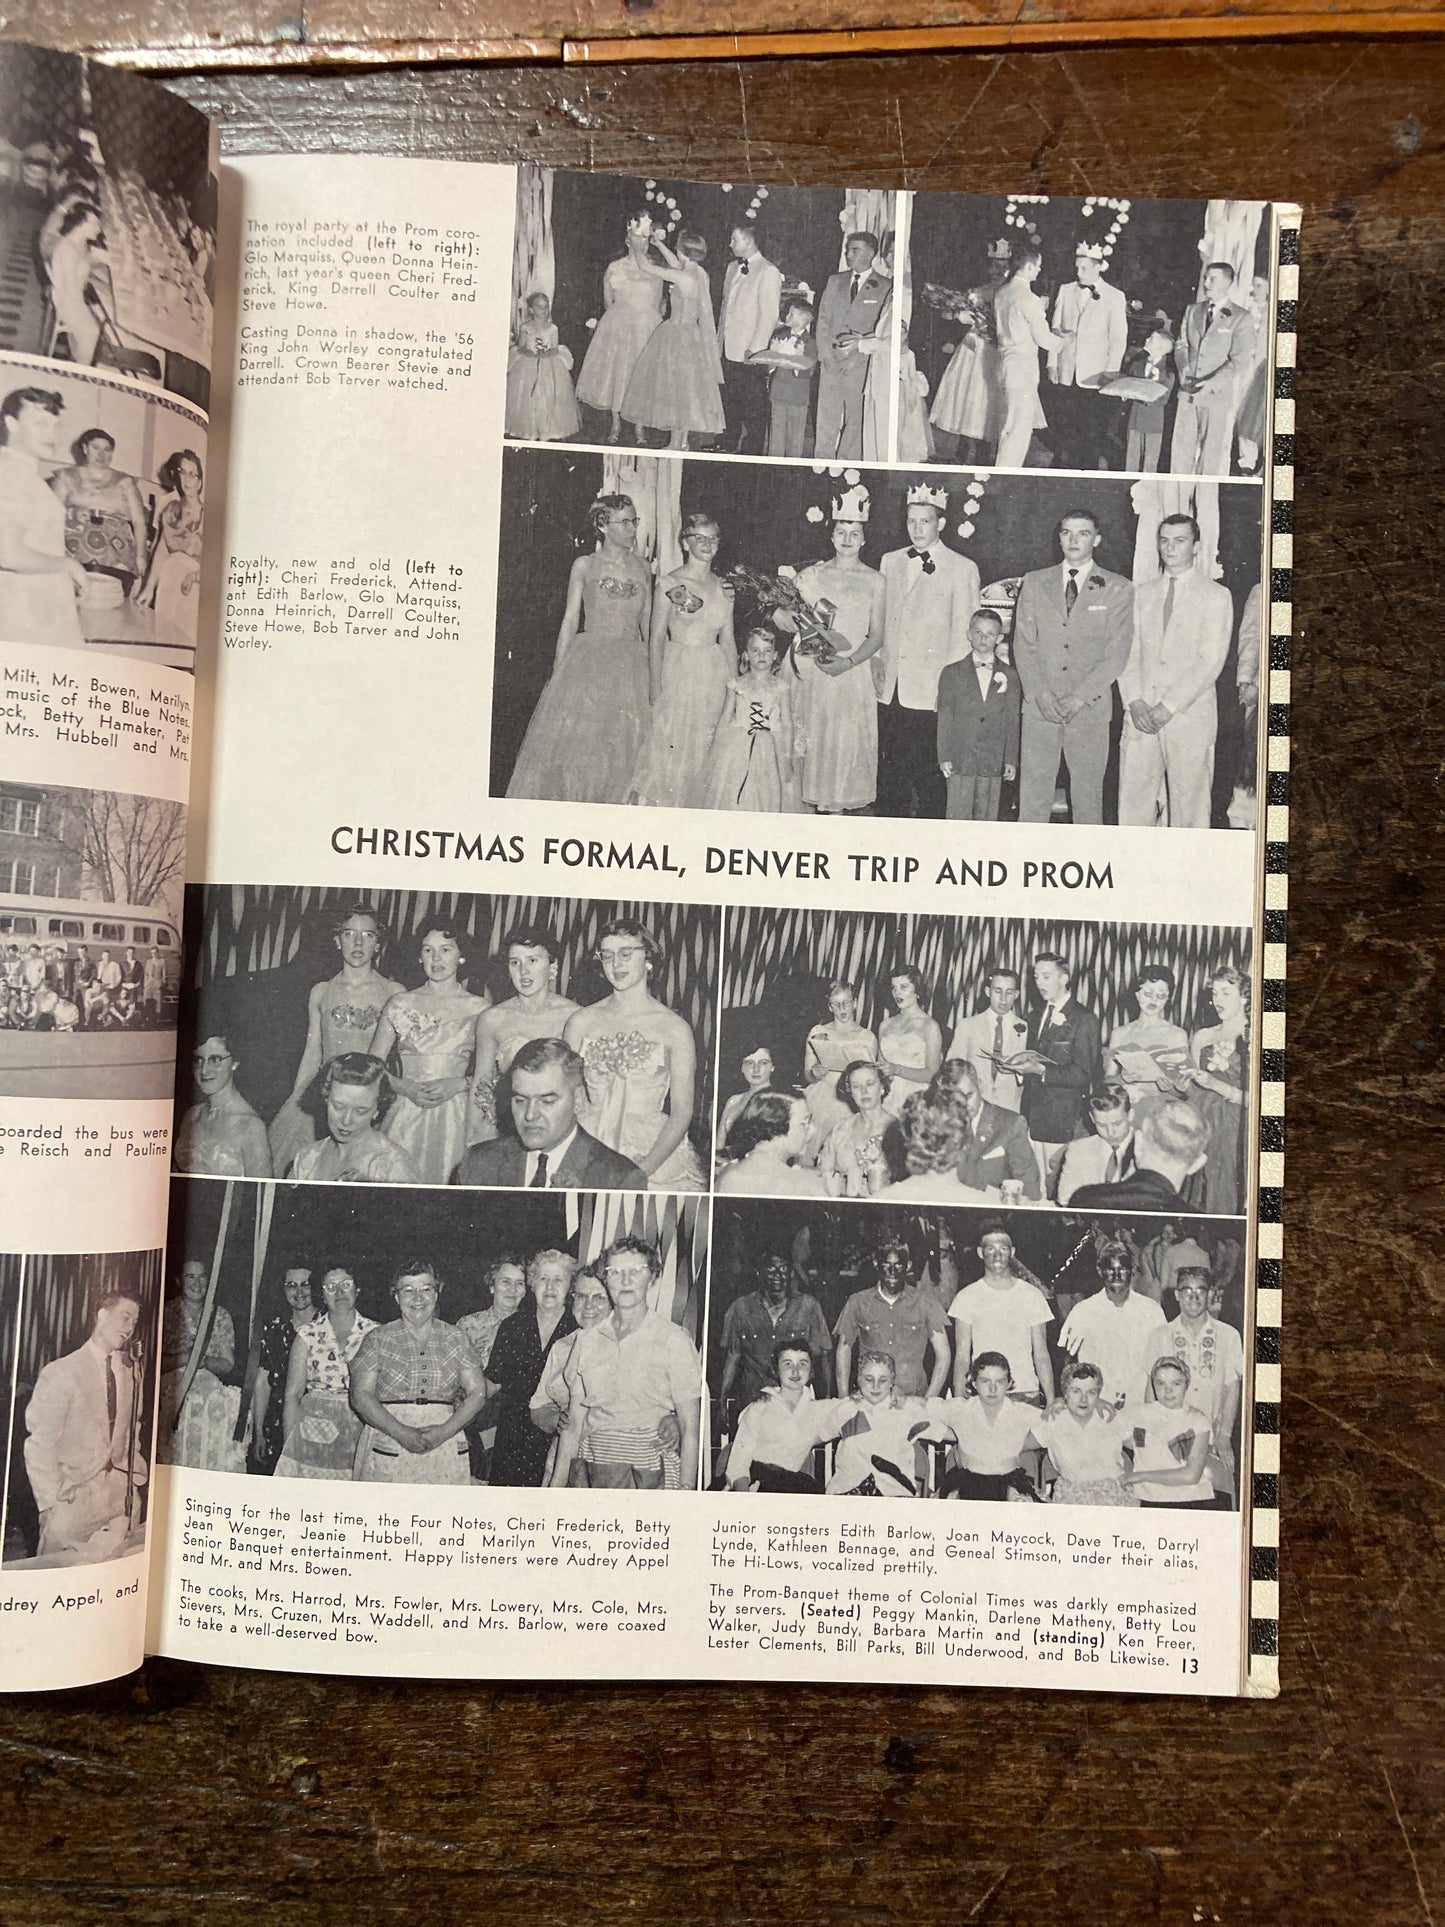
x=1000, y=250
x=1090, y=250
x=927, y=495
x=851, y=504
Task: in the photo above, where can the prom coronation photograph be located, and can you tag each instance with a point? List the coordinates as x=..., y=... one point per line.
x=1094, y=332
x=802, y=638
x=431, y=1038
x=683, y=314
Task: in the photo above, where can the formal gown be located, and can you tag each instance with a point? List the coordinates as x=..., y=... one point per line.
x=826, y=1110
x=519, y=1456
x=839, y=714
x=626, y=1104
x=752, y=743
x=677, y=380
x=433, y=1136
x=348, y=1023
x=672, y=769
x=969, y=401
x=621, y=334
x=541, y=406
x=586, y=732
x=1226, y=1129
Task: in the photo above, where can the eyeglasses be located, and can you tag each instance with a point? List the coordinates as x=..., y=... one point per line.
x=213, y=1062
x=623, y=952
x=626, y=1275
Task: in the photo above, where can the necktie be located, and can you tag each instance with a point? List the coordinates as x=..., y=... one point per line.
x=1209, y=314
x=922, y=555
x=1071, y=592
x=539, y=1176
x=1111, y=1169
x=998, y=1034
x=1169, y=602
x=853, y=289
x=112, y=1402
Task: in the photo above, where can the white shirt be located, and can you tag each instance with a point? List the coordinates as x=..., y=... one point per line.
x=1083, y=1453
x=1004, y=1320
x=975, y=1038
x=749, y=306
x=991, y=1446
x=770, y=1430
x=1215, y=1357
x=554, y=1158
x=984, y=671
x=1124, y=1341
x=1086, y=1161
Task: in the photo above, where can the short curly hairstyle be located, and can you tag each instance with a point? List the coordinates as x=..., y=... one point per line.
x=935, y=1129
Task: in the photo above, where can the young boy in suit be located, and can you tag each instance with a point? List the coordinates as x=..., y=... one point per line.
x=791, y=356
x=979, y=704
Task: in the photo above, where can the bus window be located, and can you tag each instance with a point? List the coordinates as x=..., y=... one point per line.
x=19, y=926
x=140, y=933
x=66, y=927
x=165, y=939
x=108, y=932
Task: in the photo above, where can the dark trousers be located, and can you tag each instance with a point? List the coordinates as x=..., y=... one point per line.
x=745, y=407
x=910, y=782
x=1080, y=419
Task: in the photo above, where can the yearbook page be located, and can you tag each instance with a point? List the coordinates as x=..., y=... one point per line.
x=107, y=272
x=728, y=1104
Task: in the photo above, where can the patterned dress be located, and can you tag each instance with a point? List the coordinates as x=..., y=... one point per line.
x=432, y=1045
x=322, y=1444
x=627, y=1090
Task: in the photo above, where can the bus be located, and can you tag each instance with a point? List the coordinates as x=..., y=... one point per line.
x=74, y=933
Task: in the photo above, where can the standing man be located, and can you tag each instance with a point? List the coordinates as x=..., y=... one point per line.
x=1118, y=1329
x=991, y=1035
x=1061, y=1063
x=1214, y=355
x=851, y=305
x=1214, y=1354
x=1072, y=630
x=1182, y=626
x=751, y=297
x=154, y=989
x=895, y=1317
x=1091, y=316
x=758, y=1322
x=82, y=1459
x=1002, y=1312
x=931, y=592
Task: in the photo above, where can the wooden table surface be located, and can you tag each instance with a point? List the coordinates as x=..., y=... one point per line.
x=193, y=1792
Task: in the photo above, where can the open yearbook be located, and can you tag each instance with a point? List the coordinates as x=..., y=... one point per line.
x=641, y=918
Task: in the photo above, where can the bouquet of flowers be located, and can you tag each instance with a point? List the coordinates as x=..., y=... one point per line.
x=779, y=598
x=971, y=306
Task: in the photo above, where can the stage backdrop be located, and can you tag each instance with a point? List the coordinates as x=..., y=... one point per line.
x=255, y=950
x=777, y=965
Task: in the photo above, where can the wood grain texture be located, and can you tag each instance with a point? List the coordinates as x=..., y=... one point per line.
x=211, y=1794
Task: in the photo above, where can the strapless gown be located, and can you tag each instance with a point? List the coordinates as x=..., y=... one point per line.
x=433, y=1136
x=620, y=336
x=627, y=1086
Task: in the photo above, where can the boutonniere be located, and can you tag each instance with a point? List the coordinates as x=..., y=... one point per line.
x=1097, y=582
x=1000, y=681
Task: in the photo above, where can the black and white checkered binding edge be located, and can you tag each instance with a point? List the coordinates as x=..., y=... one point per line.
x=1262, y=1679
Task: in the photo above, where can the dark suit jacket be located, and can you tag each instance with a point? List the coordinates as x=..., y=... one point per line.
x=999, y=1149
x=588, y=1166
x=1054, y=1104
x=1142, y=1190
x=977, y=735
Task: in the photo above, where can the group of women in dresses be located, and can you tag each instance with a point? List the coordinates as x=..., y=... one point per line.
x=653, y=360
x=654, y=698
x=406, y=1077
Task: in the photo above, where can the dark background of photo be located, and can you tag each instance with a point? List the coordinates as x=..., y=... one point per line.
x=254, y=951
x=798, y=231
x=49, y=1316
x=1156, y=262
x=763, y=509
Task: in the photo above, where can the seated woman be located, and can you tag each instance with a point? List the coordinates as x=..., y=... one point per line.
x=852, y=1162
x=1085, y=1441
x=321, y=1428
x=935, y=1129
x=757, y=1071
x=877, y=1445
x=357, y=1094
x=1166, y=1441
x=415, y=1385
x=829, y=1050
x=766, y=1140
x=993, y=1431
x=221, y=1136
x=773, y=1445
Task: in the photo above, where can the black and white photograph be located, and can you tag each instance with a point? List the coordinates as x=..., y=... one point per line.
x=414, y=1037
x=683, y=314
x=426, y=1338
x=1058, y=1065
x=107, y=222
x=1054, y=331
x=997, y=1356
x=816, y=638
x=102, y=505
x=78, y=1334
x=91, y=892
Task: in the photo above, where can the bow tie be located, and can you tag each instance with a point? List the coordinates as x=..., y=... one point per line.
x=1092, y=292
x=742, y=267
x=922, y=555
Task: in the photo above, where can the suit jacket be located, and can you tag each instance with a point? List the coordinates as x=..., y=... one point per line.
x=1079, y=655
x=1144, y=1190
x=974, y=1038
x=1180, y=666
x=978, y=734
x=1054, y=1104
x=588, y=1166
x=837, y=314
x=749, y=307
x=999, y=1149
x=1098, y=333
x=925, y=623
x=1215, y=354
x=71, y=1440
